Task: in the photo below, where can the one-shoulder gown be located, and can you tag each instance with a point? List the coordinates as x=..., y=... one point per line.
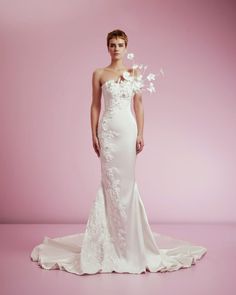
x=118, y=237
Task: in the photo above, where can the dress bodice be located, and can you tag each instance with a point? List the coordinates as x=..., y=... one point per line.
x=117, y=95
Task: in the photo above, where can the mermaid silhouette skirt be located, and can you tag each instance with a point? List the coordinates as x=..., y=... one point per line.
x=118, y=237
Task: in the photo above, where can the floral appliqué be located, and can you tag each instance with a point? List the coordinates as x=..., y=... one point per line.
x=142, y=81
x=110, y=173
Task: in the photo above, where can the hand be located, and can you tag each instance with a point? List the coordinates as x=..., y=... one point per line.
x=96, y=145
x=139, y=144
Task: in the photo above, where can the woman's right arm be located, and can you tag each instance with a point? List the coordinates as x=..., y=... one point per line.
x=95, y=109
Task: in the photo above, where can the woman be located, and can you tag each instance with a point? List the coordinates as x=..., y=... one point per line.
x=117, y=47
x=118, y=237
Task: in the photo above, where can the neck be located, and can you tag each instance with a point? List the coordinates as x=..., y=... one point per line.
x=117, y=64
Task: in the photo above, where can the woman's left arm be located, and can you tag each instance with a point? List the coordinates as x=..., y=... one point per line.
x=139, y=114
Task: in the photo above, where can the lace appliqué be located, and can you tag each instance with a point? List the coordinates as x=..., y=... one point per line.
x=119, y=217
x=97, y=251
x=110, y=173
x=121, y=95
x=105, y=238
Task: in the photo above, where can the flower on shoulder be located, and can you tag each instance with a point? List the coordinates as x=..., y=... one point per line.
x=139, y=79
x=127, y=76
x=151, y=77
x=151, y=88
x=135, y=66
x=130, y=56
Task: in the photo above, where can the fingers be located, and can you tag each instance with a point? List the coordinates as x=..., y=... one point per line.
x=96, y=147
x=97, y=150
x=139, y=146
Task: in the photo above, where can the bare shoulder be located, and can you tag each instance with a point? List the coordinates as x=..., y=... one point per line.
x=97, y=72
x=136, y=72
x=101, y=74
x=96, y=76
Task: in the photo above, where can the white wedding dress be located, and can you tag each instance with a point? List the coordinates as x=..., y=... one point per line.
x=118, y=237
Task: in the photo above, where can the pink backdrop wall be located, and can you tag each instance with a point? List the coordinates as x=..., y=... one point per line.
x=49, y=171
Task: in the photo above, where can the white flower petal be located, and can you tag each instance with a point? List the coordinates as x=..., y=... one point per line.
x=139, y=77
x=151, y=77
x=162, y=72
x=135, y=66
x=130, y=56
x=127, y=76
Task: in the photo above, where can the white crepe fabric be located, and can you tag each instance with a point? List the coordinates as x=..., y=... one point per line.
x=118, y=237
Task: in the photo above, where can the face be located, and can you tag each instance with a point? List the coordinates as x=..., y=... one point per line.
x=117, y=48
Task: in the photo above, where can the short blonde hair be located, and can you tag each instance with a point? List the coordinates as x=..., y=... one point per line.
x=117, y=34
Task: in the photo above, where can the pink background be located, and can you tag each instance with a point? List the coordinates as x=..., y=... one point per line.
x=49, y=172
